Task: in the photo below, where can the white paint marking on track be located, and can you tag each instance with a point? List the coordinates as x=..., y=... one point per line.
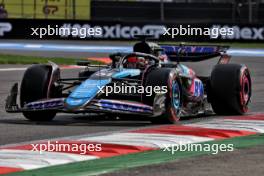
x=247, y=125
x=147, y=140
x=26, y=159
x=24, y=68
x=32, y=46
x=106, y=48
x=12, y=69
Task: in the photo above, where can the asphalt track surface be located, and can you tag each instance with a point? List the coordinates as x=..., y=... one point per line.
x=14, y=128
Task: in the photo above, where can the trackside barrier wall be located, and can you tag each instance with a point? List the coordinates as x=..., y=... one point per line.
x=23, y=29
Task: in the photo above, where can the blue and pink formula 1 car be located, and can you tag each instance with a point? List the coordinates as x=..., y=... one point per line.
x=43, y=93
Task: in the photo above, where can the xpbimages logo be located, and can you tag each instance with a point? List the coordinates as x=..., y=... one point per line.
x=100, y=31
x=4, y=28
x=183, y=30
x=81, y=148
x=81, y=32
x=131, y=89
x=194, y=147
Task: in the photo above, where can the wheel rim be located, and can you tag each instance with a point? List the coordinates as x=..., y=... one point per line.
x=176, y=99
x=245, y=91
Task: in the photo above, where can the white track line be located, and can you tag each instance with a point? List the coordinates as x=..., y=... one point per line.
x=33, y=159
x=146, y=139
x=12, y=69
x=24, y=68
x=247, y=125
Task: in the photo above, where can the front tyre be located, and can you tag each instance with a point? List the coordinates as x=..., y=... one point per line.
x=230, y=89
x=35, y=86
x=172, y=98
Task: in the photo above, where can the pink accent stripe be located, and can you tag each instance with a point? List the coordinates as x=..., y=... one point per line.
x=70, y=66
x=108, y=150
x=195, y=131
x=6, y=170
x=104, y=60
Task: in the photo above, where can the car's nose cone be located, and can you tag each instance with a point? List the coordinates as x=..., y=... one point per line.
x=84, y=93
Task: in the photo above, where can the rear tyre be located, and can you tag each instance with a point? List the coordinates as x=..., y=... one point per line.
x=230, y=89
x=34, y=87
x=165, y=77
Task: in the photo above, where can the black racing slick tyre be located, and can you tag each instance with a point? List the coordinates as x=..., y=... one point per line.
x=230, y=89
x=172, y=98
x=34, y=87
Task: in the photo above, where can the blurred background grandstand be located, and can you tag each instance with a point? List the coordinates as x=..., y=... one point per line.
x=46, y=9
x=238, y=11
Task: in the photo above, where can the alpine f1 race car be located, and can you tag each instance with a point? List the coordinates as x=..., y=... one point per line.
x=181, y=92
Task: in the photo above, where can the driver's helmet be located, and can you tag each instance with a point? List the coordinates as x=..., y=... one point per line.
x=158, y=52
x=151, y=48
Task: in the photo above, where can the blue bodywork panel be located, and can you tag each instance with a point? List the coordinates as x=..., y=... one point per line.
x=84, y=93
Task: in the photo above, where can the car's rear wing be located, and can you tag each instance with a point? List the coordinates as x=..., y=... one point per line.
x=193, y=53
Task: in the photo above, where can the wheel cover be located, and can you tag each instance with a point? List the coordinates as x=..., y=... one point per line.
x=176, y=97
x=245, y=88
x=245, y=91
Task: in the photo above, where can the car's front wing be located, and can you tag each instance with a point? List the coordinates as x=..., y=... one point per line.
x=97, y=105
